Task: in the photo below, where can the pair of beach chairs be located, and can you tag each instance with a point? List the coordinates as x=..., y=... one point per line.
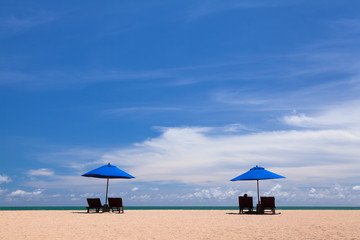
x=115, y=204
x=266, y=203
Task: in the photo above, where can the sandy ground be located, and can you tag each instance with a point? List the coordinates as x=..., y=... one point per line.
x=180, y=224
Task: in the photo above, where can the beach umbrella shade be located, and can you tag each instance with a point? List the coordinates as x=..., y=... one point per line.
x=257, y=173
x=107, y=171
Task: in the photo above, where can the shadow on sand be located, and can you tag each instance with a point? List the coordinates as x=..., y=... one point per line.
x=254, y=213
x=90, y=213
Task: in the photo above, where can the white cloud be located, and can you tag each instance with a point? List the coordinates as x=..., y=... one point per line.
x=5, y=179
x=333, y=192
x=73, y=197
x=41, y=172
x=143, y=197
x=236, y=127
x=214, y=193
x=341, y=116
x=22, y=193
x=194, y=155
x=89, y=195
x=300, y=120
x=357, y=187
x=276, y=191
x=313, y=193
x=206, y=156
x=134, y=189
x=212, y=156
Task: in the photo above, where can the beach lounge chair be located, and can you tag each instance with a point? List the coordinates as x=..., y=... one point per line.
x=94, y=203
x=245, y=202
x=268, y=203
x=116, y=204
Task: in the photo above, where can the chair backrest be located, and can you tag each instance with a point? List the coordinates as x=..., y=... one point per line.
x=267, y=202
x=245, y=202
x=94, y=202
x=115, y=202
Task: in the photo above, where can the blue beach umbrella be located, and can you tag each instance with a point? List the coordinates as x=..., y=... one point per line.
x=257, y=173
x=107, y=171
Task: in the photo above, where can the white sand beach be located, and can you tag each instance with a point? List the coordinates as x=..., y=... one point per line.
x=180, y=224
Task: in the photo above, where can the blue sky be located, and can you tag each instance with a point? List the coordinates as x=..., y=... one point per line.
x=184, y=95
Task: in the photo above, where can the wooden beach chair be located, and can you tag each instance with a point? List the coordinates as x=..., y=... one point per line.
x=245, y=202
x=268, y=203
x=116, y=204
x=94, y=203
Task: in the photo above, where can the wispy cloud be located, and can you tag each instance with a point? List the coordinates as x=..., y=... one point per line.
x=178, y=76
x=14, y=25
x=63, y=182
x=307, y=66
x=25, y=22
x=64, y=157
x=141, y=109
x=345, y=116
x=5, y=179
x=305, y=98
x=346, y=26
x=211, y=7
x=41, y=172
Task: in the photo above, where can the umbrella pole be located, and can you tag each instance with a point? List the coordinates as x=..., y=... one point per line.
x=107, y=188
x=258, y=191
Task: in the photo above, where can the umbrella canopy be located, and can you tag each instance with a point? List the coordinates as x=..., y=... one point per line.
x=107, y=171
x=257, y=173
